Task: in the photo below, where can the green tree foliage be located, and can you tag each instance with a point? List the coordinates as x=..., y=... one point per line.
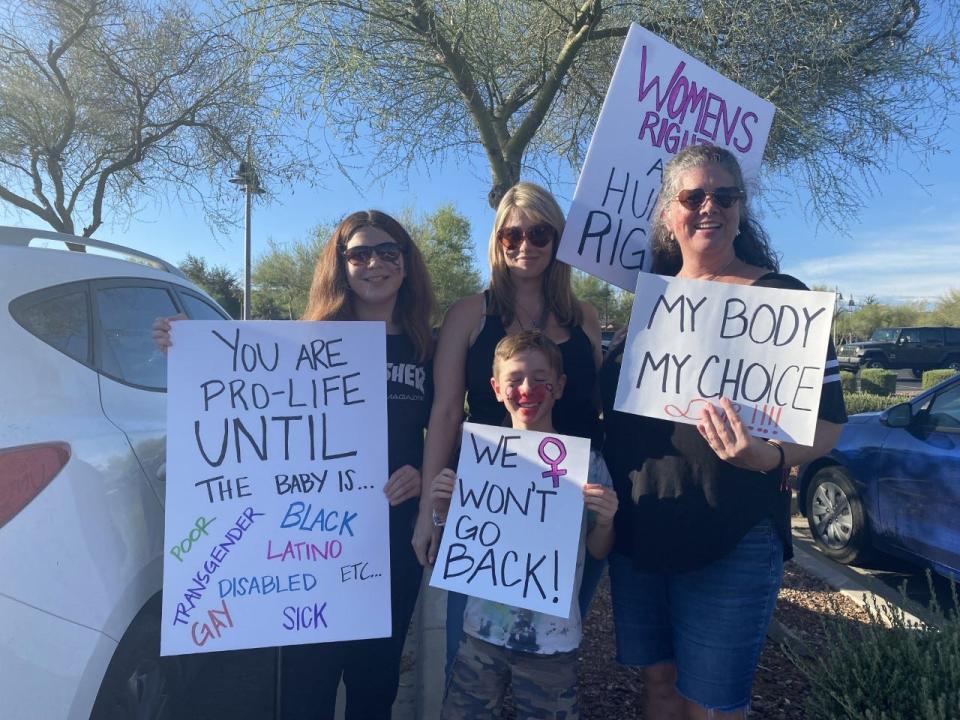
x=612, y=304
x=220, y=283
x=523, y=80
x=104, y=102
x=281, y=277
x=947, y=309
x=443, y=237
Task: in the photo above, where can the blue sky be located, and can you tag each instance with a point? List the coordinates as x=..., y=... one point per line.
x=904, y=244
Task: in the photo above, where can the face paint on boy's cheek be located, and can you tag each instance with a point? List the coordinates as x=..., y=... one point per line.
x=536, y=394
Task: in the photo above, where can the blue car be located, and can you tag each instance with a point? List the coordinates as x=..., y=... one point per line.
x=892, y=484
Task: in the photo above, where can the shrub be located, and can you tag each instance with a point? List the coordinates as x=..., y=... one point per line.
x=848, y=381
x=878, y=382
x=932, y=377
x=867, y=402
x=885, y=669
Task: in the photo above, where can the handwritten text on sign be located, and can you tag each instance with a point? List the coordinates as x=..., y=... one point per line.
x=691, y=342
x=513, y=531
x=276, y=522
x=659, y=101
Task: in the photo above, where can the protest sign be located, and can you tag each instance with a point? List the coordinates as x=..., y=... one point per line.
x=692, y=341
x=660, y=100
x=276, y=529
x=513, y=531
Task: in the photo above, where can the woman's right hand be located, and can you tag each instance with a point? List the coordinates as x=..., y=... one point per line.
x=161, y=331
x=426, y=537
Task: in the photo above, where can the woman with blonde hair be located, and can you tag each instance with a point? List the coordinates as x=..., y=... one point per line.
x=529, y=290
x=370, y=269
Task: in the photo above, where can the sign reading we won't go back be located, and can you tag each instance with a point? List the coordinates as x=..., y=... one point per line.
x=276, y=528
x=513, y=531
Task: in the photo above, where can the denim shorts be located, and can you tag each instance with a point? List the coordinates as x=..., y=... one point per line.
x=711, y=622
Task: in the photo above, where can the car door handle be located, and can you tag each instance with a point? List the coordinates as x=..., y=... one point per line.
x=162, y=472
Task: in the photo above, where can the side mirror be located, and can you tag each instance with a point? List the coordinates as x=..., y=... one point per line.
x=898, y=416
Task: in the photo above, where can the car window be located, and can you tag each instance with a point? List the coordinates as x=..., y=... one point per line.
x=910, y=335
x=931, y=336
x=198, y=309
x=128, y=352
x=884, y=335
x=62, y=321
x=944, y=411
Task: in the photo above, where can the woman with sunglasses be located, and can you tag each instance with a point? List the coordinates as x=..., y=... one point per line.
x=370, y=269
x=529, y=290
x=704, y=521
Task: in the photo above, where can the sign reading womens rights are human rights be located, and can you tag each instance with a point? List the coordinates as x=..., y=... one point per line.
x=692, y=342
x=276, y=528
x=660, y=100
x=513, y=531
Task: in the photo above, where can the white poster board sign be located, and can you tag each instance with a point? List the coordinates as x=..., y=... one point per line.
x=692, y=341
x=276, y=529
x=513, y=531
x=659, y=101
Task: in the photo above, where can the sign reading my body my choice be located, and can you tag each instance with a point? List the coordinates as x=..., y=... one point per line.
x=659, y=101
x=692, y=341
x=513, y=531
x=276, y=522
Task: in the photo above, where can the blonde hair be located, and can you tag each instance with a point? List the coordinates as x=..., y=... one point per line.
x=330, y=295
x=526, y=341
x=540, y=207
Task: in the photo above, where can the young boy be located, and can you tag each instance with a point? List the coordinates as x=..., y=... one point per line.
x=503, y=645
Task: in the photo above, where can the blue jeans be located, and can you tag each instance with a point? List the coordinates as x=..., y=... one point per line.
x=710, y=622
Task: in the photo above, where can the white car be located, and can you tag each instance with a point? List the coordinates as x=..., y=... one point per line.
x=82, y=447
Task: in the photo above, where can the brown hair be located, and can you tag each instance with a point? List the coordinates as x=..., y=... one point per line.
x=539, y=206
x=752, y=245
x=330, y=296
x=527, y=341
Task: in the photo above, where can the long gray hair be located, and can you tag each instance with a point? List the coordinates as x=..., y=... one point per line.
x=752, y=244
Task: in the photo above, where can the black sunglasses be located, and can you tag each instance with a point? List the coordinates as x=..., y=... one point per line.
x=539, y=236
x=360, y=254
x=725, y=197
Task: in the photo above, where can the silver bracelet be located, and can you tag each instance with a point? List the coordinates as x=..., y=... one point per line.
x=437, y=520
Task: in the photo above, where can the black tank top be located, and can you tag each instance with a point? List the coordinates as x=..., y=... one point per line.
x=576, y=412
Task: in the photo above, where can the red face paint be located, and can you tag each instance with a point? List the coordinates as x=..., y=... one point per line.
x=535, y=394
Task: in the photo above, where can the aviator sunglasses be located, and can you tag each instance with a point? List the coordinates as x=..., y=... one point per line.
x=725, y=197
x=539, y=236
x=360, y=255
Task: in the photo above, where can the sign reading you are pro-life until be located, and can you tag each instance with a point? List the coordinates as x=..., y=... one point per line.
x=276, y=529
x=660, y=100
x=691, y=342
x=513, y=531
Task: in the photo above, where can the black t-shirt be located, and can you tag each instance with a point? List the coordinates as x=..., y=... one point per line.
x=681, y=507
x=409, y=397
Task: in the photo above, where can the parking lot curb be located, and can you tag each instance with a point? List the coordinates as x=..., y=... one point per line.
x=857, y=585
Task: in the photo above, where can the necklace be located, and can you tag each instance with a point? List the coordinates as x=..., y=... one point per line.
x=535, y=323
x=715, y=275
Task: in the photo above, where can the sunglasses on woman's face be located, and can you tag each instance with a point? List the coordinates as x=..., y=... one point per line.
x=360, y=255
x=539, y=236
x=725, y=197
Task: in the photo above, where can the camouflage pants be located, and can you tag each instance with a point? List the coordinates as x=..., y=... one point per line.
x=544, y=686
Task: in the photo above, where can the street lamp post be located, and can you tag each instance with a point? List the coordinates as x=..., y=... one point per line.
x=248, y=181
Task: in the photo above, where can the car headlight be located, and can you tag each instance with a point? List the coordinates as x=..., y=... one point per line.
x=859, y=351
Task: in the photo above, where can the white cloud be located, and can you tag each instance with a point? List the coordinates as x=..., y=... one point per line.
x=897, y=264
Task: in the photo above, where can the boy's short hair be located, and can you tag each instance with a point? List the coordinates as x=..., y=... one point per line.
x=512, y=345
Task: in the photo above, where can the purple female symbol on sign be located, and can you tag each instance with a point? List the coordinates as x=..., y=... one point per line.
x=554, y=472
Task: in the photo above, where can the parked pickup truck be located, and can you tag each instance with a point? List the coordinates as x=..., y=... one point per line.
x=916, y=348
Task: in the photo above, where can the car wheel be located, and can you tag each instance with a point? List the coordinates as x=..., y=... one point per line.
x=139, y=683
x=917, y=373
x=835, y=515
x=875, y=364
